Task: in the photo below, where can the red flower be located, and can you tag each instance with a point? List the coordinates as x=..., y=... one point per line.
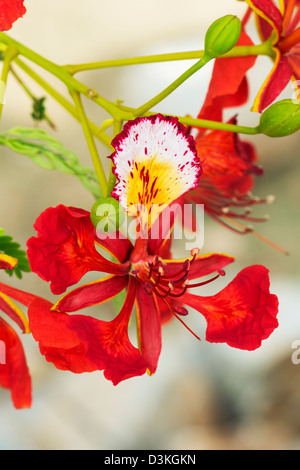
x=242, y=314
x=14, y=374
x=10, y=11
x=283, y=25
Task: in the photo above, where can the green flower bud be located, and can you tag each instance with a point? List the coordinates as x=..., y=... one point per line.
x=222, y=36
x=280, y=119
x=107, y=215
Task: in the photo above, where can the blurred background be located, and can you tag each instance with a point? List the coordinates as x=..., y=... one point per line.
x=203, y=396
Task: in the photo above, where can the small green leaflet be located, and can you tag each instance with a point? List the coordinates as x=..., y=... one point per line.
x=12, y=248
x=48, y=153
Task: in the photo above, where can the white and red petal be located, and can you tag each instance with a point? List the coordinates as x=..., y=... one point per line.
x=155, y=161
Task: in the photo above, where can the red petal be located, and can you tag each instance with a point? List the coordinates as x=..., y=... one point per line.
x=149, y=328
x=7, y=262
x=267, y=10
x=227, y=165
x=294, y=61
x=14, y=374
x=243, y=313
x=117, y=245
x=23, y=297
x=108, y=345
x=276, y=81
x=58, y=343
x=64, y=249
x=201, y=266
x=264, y=28
x=92, y=293
x=81, y=343
x=228, y=86
x=10, y=11
x=13, y=311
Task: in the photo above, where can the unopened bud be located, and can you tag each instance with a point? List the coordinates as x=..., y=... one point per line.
x=107, y=215
x=280, y=119
x=222, y=36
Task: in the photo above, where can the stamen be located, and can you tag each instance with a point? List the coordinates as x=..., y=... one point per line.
x=195, y=252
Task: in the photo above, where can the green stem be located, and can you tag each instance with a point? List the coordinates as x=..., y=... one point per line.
x=167, y=91
x=188, y=121
x=10, y=55
x=118, y=124
x=222, y=126
x=61, y=73
x=104, y=138
x=90, y=141
x=238, y=51
x=31, y=95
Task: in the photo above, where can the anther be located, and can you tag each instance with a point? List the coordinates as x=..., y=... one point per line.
x=148, y=289
x=181, y=310
x=270, y=199
x=195, y=252
x=186, y=265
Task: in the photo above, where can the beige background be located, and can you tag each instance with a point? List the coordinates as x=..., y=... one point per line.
x=203, y=396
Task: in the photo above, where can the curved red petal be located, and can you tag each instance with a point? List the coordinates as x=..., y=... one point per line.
x=12, y=310
x=21, y=296
x=64, y=250
x=10, y=11
x=108, y=345
x=116, y=244
x=149, y=328
x=269, y=11
x=276, y=81
x=92, y=293
x=57, y=342
x=243, y=313
x=14, y=374
x=228, y=86
x=7, y=262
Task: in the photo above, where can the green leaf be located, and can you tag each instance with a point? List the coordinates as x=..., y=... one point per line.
x=49, y=154
x=12, y=248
